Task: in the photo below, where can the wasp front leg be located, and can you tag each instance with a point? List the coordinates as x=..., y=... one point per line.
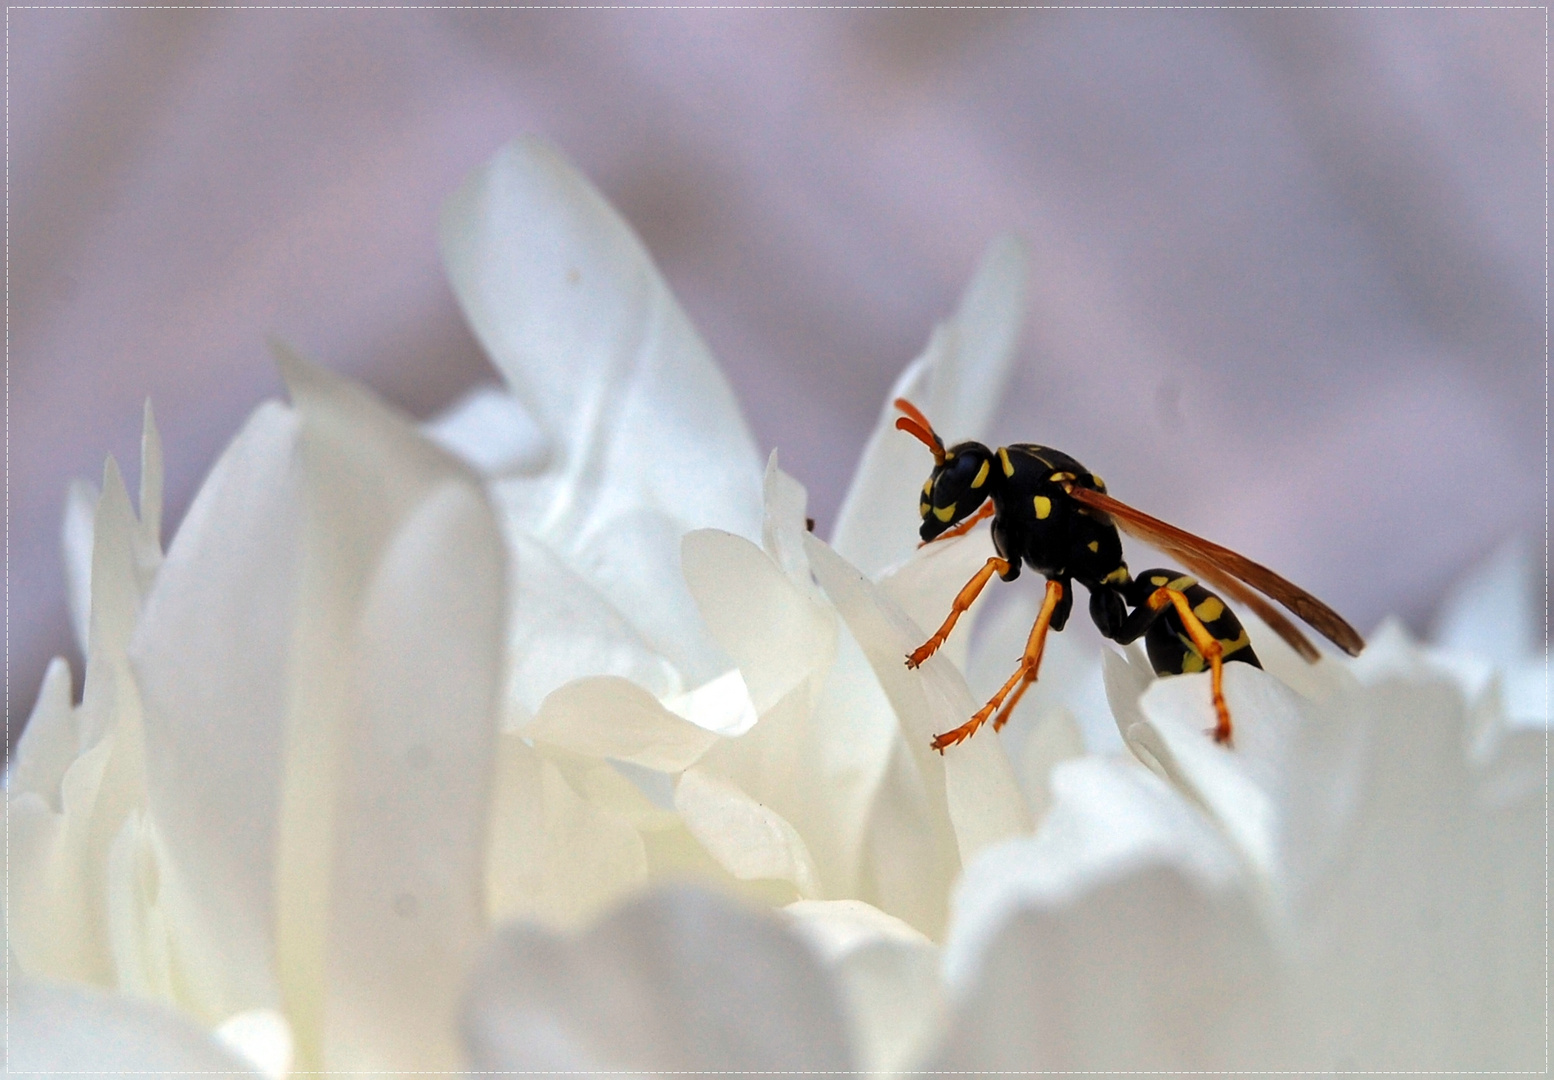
x=963, y=601
x=1023, y=676
x=984, y=512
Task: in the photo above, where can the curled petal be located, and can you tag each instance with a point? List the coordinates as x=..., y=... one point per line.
x=753, y=842
x=613, y=718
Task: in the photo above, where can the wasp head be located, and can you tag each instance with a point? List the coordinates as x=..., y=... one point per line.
x=958, y=483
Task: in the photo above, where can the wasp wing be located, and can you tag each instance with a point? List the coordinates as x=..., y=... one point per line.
x=1199, y=554
x=1222, y=582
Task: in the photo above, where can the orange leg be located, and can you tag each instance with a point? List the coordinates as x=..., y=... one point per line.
x=1210, y=648
x=963, y=602
x=1023, y=675
x=984, y=512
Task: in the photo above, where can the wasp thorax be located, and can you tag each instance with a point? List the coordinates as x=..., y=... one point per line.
x=958, y=485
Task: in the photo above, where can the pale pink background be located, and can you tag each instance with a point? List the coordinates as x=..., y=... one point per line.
x=1288, y=265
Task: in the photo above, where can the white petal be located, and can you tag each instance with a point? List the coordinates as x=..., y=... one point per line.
x=49, y=742
x=722, y=705
x=1055, y=739
x=393, y=717
x=610, y=717
x=137, y=926
x=777, y=633
x=76, y=548
x=56, y=918
x=1128, y=677
x=211, y=656
x=896, y=1003
x=1117, y=938
x=490, y=431
x=1492, y=610
x=563, y=627
x=108, y=696
x=261, y=1037
x=926, y=585
x=59, y=913
x=1240, y=787
x=982, y=796
x=1152, y=971
x=888, y=974
x=837, y=927
x=1418, y=895
x=957, y=382
x=831, y=760
x=572, y=311
x=645, y=438
x=408, y=900
x=677, y=981
x=150, y=485
x=1071, y=677
x=753, y=842
x=1110, y=818
x=72, y=1030
x=785, y=524
x=555, y=855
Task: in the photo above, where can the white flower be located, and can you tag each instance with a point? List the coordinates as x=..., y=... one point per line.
x=235, y=820
x=389, y=688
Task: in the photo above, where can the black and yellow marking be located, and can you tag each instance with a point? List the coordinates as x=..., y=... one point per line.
x=1170, y=647
x=1052, y=515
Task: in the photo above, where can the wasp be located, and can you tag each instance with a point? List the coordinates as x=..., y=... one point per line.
x=1054, y=515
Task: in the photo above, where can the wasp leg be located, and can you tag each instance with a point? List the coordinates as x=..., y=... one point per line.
x=1207, y=645
x=963, y=602
x=1023, y=675
x=982, y=514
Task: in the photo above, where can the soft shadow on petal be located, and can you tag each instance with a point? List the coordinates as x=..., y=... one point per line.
x=72, y=1030
x=676, y=981
x=957, y=382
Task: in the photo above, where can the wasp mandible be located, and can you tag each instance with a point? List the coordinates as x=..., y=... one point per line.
x=1052, y=514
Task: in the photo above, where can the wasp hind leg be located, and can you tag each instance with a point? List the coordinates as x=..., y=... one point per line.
x=1023, y=676
x=1208, y=647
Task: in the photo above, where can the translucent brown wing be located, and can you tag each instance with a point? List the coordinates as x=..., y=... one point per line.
x=1274, y=618
x=1216, y=564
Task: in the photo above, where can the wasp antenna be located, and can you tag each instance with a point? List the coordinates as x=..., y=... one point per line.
x=914, y=423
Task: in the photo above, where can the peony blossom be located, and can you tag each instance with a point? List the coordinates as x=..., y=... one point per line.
x=546, y=737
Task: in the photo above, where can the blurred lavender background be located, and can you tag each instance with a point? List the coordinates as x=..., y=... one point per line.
x=1288, y=266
